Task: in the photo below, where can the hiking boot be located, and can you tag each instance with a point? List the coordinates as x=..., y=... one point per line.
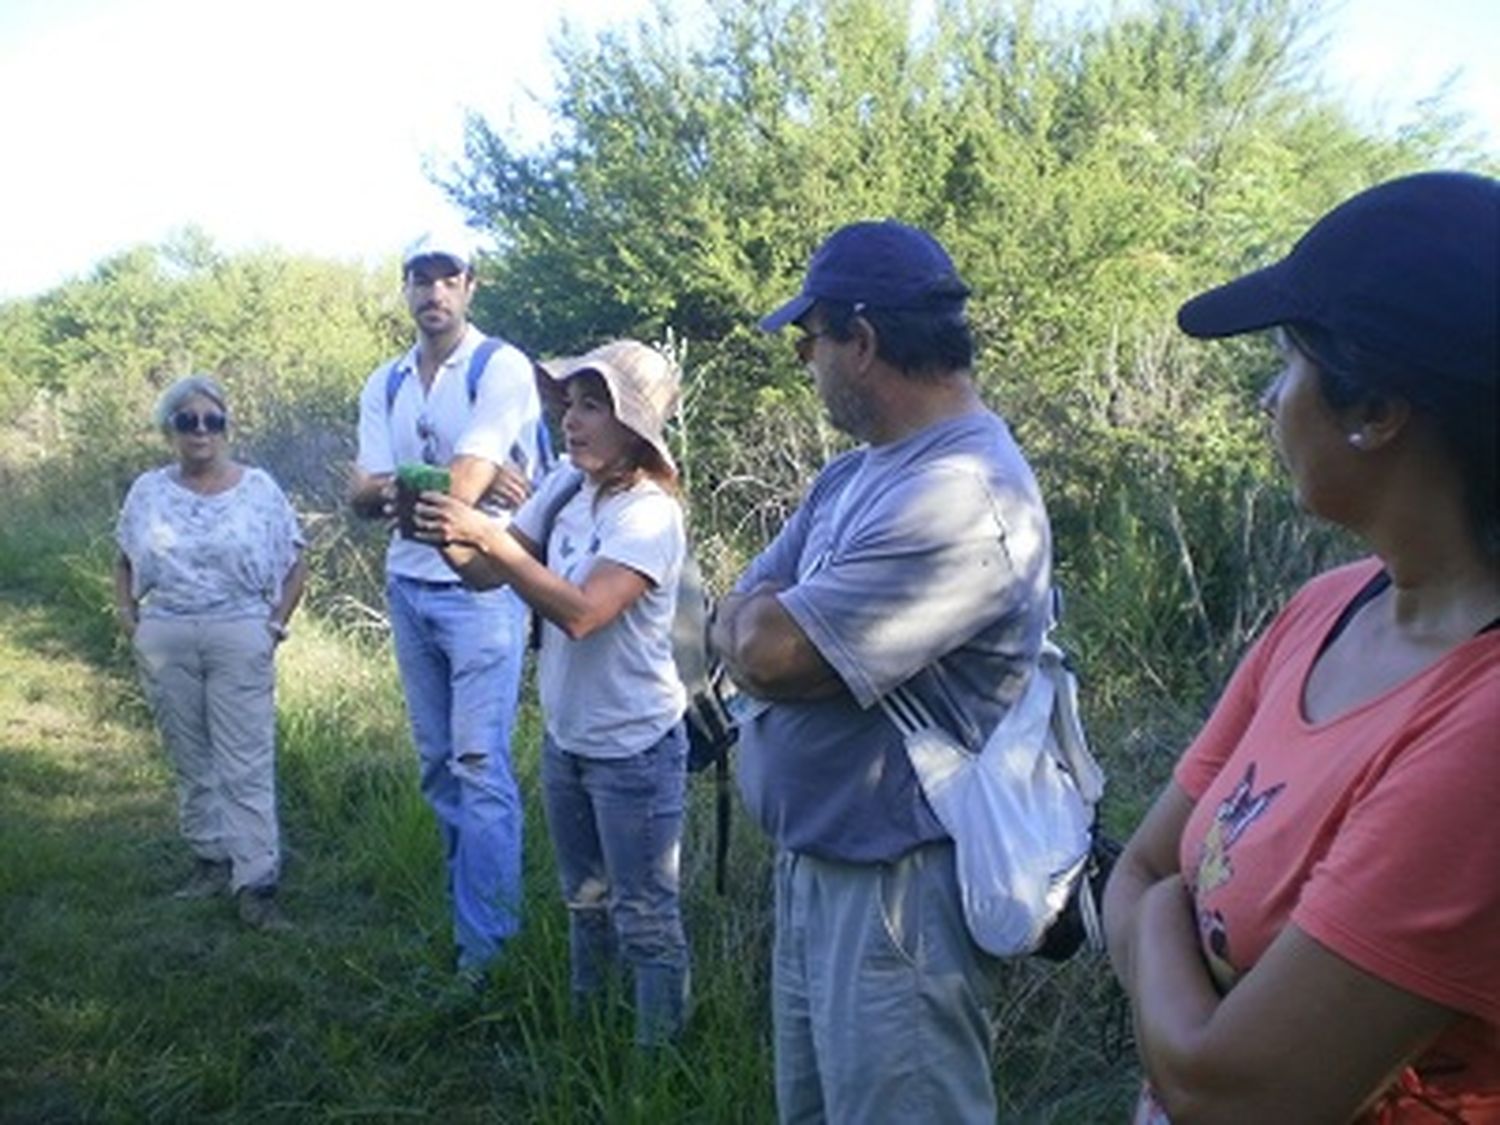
x=210, y=877
x=259, y=909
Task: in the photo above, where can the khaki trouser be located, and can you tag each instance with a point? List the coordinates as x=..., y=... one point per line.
x=211, y=686
x=879, y=998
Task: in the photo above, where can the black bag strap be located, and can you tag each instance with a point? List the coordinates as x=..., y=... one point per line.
x=721, y=823
x=558, y=501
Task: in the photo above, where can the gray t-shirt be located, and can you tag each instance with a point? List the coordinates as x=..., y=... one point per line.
x=615, y=692
x=927, y=561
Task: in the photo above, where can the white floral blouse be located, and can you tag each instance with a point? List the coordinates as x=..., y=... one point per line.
x=222, y=555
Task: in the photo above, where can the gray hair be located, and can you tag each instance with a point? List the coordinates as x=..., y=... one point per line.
x=182, y=390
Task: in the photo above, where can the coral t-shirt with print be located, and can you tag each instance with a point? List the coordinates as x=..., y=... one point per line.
x=1376, y=832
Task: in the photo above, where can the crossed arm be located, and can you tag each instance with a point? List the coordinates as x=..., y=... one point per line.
x=765, y=650
x=1303, y=1036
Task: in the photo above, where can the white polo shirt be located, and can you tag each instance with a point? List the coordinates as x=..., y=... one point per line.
x=501, y=425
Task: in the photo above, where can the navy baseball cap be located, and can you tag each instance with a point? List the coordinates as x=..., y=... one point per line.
x=1408, y=270
x=884, y=264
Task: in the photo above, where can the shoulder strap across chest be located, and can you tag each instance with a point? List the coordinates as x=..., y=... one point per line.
x=478, y=361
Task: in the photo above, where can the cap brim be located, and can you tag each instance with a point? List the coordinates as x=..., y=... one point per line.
x=460, y=264
x=1247, y=304
x=793, y=310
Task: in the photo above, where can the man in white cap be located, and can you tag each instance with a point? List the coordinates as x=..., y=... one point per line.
x=460, y=401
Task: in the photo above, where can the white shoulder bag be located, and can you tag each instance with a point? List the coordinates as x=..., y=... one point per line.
x=1021, y=811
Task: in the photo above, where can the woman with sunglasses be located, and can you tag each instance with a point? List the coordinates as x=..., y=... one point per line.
x=1307, y=921
x=208, y=574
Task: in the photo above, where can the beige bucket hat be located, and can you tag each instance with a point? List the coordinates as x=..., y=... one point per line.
x=643, y=384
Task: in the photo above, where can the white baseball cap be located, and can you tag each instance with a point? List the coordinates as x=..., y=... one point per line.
x=457, y=244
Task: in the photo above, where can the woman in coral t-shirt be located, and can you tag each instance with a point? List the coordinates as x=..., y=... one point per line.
x=1308, y=919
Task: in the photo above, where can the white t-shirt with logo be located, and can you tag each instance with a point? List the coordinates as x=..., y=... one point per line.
x=615, y=692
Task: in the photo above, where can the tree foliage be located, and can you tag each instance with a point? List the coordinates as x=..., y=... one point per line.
x=290, y=338
x=1088, y=174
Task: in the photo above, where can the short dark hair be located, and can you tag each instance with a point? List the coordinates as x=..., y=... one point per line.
x=1466, y=413
x=921, y=343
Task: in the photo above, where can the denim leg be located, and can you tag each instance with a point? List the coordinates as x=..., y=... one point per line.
x=424, y=681
x=460, y=655
x=626, y=825
x=485, y=635
x=580, y=869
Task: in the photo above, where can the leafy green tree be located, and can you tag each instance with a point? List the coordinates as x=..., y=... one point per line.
x=1087, y=174
x=290, y=338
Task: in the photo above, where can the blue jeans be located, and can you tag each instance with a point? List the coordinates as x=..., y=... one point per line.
x=616, y=827
x=460, y=653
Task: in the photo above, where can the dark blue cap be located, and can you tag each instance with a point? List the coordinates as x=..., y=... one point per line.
x=886, y=265
x=1408, y=270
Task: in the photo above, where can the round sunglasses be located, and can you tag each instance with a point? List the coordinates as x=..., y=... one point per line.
x=189, y=421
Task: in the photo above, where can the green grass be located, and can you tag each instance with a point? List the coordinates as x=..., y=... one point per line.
x=119, y=1003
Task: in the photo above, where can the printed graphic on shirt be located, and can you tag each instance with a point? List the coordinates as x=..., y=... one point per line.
x=575, y=563
x=1236, y=813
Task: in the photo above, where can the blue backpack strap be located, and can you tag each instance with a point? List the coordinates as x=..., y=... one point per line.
x=546, y=456
x=546, y=459
x=478, y=362
x=393, y=377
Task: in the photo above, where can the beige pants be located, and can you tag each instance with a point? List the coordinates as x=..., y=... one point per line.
x=211, y=686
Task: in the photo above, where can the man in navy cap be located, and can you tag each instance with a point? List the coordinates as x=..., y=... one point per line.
x=920, y=558
x=461, y=401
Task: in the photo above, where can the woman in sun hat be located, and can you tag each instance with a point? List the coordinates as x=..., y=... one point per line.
x=597, y=553
x=1308, y=919
x=209, y=572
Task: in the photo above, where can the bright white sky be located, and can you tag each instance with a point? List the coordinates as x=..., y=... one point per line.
x=307, y=124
